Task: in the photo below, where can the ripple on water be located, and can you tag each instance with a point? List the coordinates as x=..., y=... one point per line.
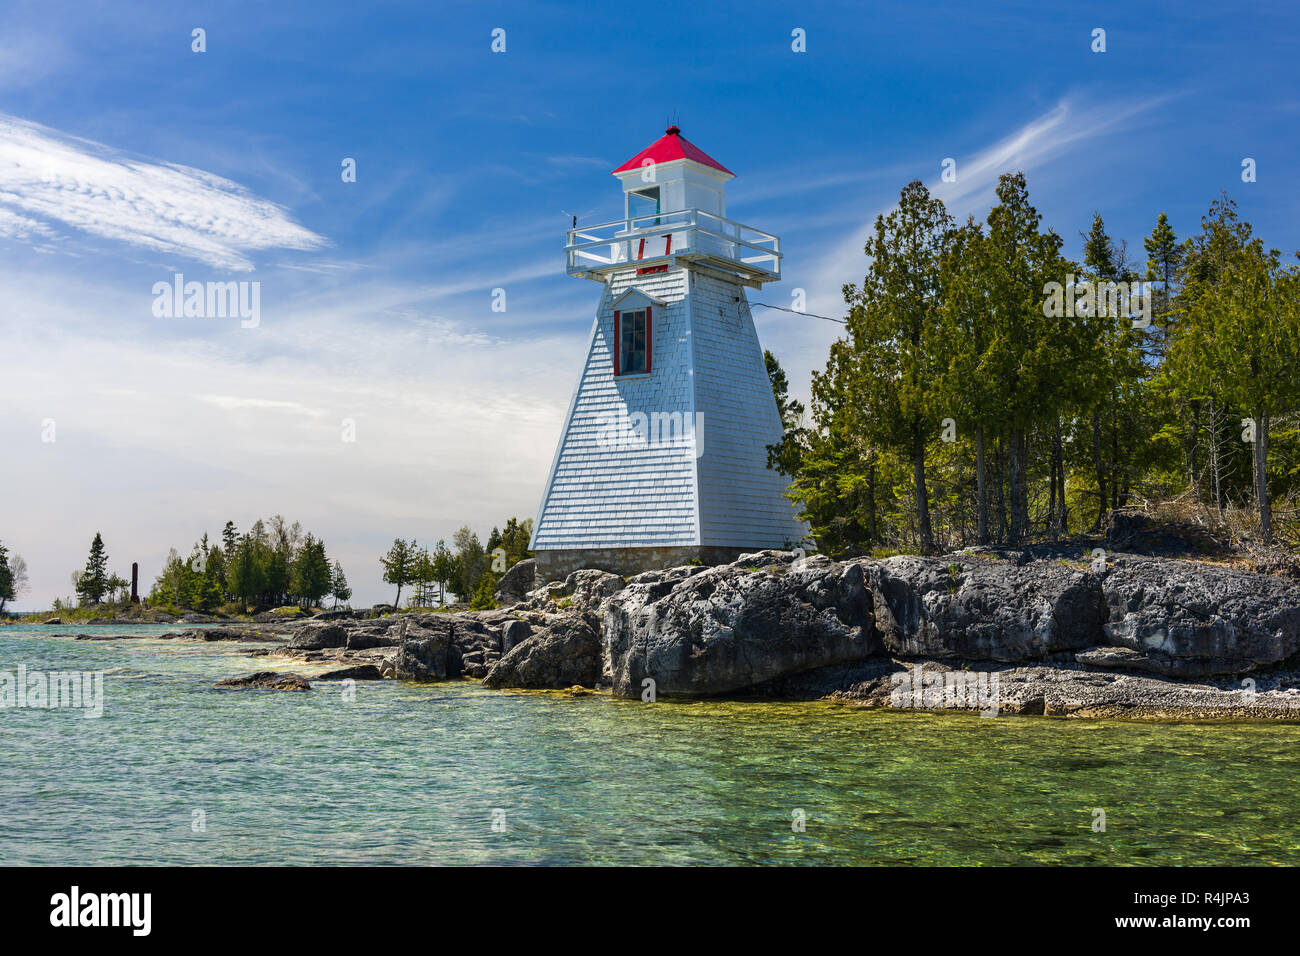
x=413, y=774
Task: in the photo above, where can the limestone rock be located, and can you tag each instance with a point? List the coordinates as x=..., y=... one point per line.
x=728, y=628
x=315, y=637
x=519, y=579
x=266, y=680
x=423, y=651
x=359, y=672
x=1189, y=619
x=563, y=653
x=977, y=608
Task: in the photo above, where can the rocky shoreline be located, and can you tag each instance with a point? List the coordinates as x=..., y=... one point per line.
x=984, y=630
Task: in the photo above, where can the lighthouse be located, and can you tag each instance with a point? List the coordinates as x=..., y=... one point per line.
x=663, y=456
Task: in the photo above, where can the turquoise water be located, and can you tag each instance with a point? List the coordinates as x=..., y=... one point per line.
x=412, y=774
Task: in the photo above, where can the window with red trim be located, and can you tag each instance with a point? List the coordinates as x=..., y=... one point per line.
x=632, y=341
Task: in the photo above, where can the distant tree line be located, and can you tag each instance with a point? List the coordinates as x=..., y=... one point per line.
x=467, y=569
x=965, y=405
x=273, y=564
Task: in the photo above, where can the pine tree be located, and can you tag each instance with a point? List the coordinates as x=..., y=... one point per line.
x=246, y=579
x=93, y=582
x=1165, y=257
x=470, y=562
x=339, y=588
x=443, y=564
x=399, y=566
x=485, y=592
x=229, y=540
x=895, y=324
x=1027, y=351
x=7, y=589
x=1241, y=338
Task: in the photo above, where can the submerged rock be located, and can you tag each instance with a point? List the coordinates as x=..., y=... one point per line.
x=222, y=634
x=266, y=680
x=360, y=672
x=728, y=628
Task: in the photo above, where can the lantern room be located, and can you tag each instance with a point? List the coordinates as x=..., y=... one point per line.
x=674, y=211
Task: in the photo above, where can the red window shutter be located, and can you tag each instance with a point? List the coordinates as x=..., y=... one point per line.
x=649, y=339
x=616, y=337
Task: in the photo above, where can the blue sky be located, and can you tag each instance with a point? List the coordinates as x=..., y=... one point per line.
x=125, y=157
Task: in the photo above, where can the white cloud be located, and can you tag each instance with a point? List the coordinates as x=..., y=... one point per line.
x=1043, y=139
x=14, y=226
x=47, y=177
x=162, y=437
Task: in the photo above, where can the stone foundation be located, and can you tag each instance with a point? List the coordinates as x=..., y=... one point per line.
x=557, y=565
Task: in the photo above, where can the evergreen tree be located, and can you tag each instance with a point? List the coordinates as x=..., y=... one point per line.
x=229, y=540
x=470, y=562
x=399, y=566
x=339, y=588
x=311, y=578
x=1240, y=336
x=92, y=585
x=1025, y=353
x=783, y=456
x=423, y=573
x=246, y=577
x=485, y=592
x=1165, y=257
x=895, y=325
x=8, y=590
x=443, y=566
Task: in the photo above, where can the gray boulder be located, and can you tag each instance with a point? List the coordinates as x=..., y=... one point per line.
x=564, y=652
x=338, y=614
x=513, y=633
x=357, y=672
x=365, y=639
x=315, y=637
x=266, y=680
x=518, y=580
x=423, y=652
x=729, y=628
x=1186, y=619
x=978, y=608
x=584, y=589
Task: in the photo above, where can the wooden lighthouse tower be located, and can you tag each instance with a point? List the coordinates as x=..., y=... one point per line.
x=663, y=458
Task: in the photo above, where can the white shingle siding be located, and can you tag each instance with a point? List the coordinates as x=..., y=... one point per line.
x=705, y=357
x=741, y=499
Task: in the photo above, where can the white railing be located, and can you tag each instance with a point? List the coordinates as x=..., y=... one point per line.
x=688, y=234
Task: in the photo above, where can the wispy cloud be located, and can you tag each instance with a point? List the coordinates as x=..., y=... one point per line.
x=1045, y=138
x=48, y=178
x=14, y=226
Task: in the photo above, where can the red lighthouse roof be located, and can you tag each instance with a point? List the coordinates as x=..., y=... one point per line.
x=669, y=147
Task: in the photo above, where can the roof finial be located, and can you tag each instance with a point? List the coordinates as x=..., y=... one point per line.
x=672, y=131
